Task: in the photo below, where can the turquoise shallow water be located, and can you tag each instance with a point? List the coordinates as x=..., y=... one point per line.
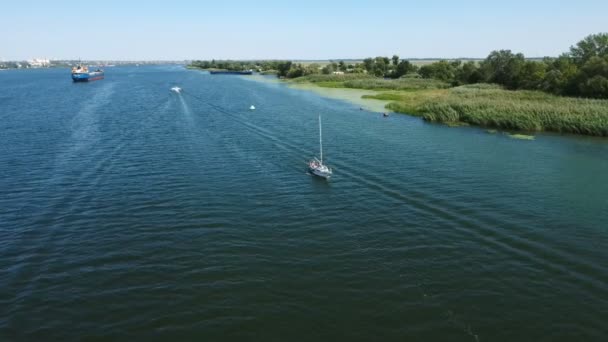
x=131, y=213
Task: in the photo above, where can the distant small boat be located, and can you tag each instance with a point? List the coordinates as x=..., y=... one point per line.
x=176, y=89
x=385, y=114
x=315, y=165
x=252, y=107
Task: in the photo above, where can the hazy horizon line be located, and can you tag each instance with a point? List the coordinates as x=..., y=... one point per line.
x=255, y=59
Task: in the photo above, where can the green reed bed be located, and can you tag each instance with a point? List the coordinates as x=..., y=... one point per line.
x=398, y=84
x=519, y=110
x=491, y=106
x=362, y=81
x=318, y=78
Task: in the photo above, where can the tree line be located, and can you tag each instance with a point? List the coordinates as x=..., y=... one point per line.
x=581, y=72
x=236, y=65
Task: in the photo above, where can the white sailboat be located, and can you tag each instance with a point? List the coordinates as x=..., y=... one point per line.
x=315, y=165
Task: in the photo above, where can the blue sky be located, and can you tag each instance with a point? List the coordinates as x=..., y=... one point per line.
x=300, y=30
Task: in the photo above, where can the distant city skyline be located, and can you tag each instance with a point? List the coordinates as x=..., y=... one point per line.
x=312, y=30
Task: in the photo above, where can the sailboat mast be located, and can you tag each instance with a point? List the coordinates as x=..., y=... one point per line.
x=320, y=140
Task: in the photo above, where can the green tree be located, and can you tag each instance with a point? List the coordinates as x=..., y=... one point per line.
x=532, y=75
x=328, y=69
x=395, y=60
x=560, y=76
x=595, y=45
x=597, y=86
x=593, y=77
x=503, y=67
x=368, y=63
x=590, y=55
x=468, y=73
x=441, y=70
x=295, y=71
x=283, y=68
x=381, y=65
x=403, y=68
x=312, y=68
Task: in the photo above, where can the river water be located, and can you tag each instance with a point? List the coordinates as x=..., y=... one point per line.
x=131, y=213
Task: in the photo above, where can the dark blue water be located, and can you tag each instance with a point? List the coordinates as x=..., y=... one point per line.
x=131, y=213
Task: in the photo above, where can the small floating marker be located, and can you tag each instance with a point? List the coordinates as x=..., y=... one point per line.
x=252, y=107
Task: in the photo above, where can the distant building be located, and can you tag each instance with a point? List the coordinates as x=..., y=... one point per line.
x=39, y=63
x=338, y=73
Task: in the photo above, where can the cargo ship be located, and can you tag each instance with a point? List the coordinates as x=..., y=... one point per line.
x=230, y=72
x=81, y=73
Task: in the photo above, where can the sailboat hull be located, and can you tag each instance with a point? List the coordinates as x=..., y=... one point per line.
x=320, y=173
x=318, y=169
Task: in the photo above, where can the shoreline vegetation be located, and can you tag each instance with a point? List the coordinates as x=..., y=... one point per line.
x=506, y=91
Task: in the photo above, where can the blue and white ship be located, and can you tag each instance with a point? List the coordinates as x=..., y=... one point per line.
x=81, y=73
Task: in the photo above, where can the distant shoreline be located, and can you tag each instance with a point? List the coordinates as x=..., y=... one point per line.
x=54, y=64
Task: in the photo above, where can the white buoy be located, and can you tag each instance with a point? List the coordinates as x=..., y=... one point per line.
x=252, y=107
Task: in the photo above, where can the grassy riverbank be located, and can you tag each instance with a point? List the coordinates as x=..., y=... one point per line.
x=361, y=81
x=491, y=106
x=482, y=105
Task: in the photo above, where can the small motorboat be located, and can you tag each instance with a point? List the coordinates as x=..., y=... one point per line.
x=176, y=89
x=385, y=115
x=252, y=107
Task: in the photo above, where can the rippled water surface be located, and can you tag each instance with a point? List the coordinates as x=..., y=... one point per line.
x=131, y=213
